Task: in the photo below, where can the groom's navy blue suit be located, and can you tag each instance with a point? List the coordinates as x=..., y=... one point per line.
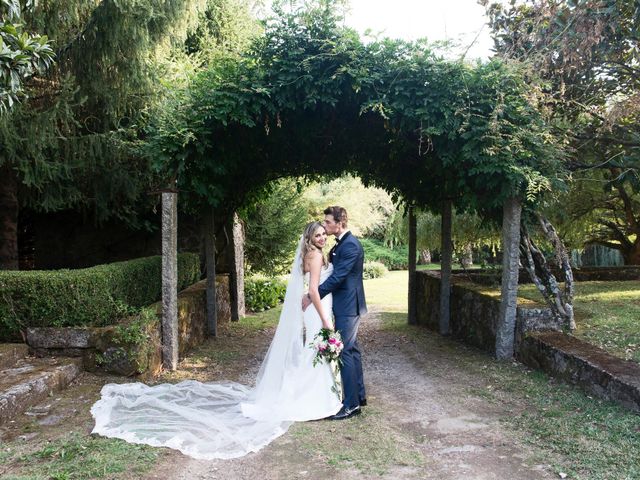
x=345, y=283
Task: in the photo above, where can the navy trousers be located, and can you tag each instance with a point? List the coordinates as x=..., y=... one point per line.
x=351, y=370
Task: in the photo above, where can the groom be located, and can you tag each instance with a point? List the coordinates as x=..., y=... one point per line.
x=345, y=283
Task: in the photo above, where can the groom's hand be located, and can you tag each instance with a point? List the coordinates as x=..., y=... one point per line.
x=306, y=301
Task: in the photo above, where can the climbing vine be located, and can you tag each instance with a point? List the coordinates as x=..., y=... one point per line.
x=309, y=98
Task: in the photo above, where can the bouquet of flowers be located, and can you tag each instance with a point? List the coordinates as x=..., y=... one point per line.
x=328, y=345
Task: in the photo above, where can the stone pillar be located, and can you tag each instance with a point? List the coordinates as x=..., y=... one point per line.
x=412, y=266
x=236, y=269
x=505, y=334
x=170, y=280
x=446, y=254
x=210, y=254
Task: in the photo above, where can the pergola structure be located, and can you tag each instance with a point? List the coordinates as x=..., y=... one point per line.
x=311, y=99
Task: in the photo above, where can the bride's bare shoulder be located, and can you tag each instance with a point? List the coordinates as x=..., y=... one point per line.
x=312, y=259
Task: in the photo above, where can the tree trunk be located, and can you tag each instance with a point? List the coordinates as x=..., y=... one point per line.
x=632, y=255
x=467, y=256
x=8, y=218
x=425, y=257
x=560, y=302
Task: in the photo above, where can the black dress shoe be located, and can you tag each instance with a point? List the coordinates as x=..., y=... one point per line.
x=345, y=413
x=363, y=402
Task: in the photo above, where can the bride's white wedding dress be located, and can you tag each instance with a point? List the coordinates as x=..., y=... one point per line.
x=228, y=419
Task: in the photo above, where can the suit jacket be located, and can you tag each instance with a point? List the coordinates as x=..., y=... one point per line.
x=345, y=283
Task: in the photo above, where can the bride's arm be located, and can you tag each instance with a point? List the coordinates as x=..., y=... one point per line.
x=315, y=266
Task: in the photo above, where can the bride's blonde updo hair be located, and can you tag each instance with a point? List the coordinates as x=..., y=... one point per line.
x=307, y=241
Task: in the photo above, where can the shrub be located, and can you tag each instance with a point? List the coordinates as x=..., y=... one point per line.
x=94, y=296
x=374, y=270
x=273, y=226
x=394, y=259
x=262, y=293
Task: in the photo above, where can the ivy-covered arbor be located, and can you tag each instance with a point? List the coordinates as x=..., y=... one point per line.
x=311, y=98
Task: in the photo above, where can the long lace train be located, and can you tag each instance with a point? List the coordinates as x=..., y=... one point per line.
x=227, y=419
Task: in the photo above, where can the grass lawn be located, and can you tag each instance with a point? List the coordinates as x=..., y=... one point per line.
x=429, y=266
x=585, y=438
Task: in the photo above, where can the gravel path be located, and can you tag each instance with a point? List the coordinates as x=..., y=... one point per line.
x=421, y=423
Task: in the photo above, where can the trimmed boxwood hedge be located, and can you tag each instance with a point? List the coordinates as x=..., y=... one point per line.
x=262, y=293
x=95, y=296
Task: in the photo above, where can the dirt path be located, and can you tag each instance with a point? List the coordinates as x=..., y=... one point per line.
x=421, y=423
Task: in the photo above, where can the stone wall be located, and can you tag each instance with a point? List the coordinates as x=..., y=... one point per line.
x=539, y=341
x=474, y=316
x=584, y=274
x=585, y=365
x=133, y=347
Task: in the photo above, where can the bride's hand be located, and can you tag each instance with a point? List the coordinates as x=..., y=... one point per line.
x=327, y=325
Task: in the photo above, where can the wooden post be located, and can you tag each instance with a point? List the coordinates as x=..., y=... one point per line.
x=210, y=254
x=236, y=269
x=412, y=317
x=446, y=253
x=170, y=280
x=505, y=334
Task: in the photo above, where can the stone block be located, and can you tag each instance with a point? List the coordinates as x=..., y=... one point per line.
x=10, y=353
x=30, y=382
x=52, y=337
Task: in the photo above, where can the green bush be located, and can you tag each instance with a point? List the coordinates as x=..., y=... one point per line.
x=262, y=293
x=394, y=259
x=374, y=270
x=94, y=296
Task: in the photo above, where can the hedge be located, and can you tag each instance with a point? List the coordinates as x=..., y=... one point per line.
x=374, y=270
x=262, y=293
x=95, y=296
x=394, y=259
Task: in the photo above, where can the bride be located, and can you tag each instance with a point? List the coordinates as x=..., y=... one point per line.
x=228, y=419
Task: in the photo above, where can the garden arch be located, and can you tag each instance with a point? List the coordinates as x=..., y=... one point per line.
x=312, y=99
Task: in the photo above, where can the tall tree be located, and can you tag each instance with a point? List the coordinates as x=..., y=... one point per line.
x=588, y=53
x=22, y=55
x=73, y=144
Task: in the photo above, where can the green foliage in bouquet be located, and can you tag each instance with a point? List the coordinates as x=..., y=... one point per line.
x=94, y=296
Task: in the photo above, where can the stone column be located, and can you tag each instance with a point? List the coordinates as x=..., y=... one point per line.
x=412, y=266
x=446, y=254
x=505, y=334
x=170, y=280
x=236, y=269
x=210, y=254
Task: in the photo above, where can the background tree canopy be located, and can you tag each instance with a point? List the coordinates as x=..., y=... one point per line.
x=73, y=142
x=587, y=54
